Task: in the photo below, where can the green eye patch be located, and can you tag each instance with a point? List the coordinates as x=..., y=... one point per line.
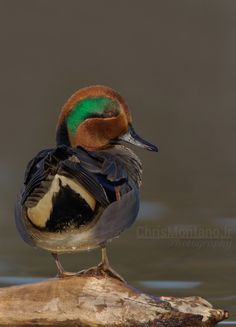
x=91, y=107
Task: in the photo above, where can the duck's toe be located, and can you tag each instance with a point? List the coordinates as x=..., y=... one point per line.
x=108, y=270
x=66, y=274
x=101, y=270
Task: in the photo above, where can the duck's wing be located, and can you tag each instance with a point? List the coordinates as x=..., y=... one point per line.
x=75, y=171
x=62, y=161
x=35, y=173
x=119, y=165
x=34, y=162
x=117, y=217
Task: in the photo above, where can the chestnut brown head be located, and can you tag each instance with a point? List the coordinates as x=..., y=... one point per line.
x=96, y=117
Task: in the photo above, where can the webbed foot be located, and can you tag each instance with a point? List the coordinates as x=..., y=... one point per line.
x=102, y=270
x=61, y=273
x=66, y=274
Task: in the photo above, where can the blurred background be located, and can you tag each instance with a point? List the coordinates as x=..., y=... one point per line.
x=174, y=63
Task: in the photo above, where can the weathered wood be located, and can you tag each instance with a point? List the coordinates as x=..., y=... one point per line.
x=99, y=301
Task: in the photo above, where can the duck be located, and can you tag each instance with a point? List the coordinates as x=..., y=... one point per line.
x=84, y=192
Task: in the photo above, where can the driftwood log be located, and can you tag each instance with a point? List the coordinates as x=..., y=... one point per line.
x=99, y=301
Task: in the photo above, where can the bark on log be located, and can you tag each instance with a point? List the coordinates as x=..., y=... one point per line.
x=99, y=301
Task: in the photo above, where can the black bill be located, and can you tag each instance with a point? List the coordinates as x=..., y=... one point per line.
x=133, y=138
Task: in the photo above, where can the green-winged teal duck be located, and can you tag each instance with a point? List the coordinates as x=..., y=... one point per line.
x=85, y=191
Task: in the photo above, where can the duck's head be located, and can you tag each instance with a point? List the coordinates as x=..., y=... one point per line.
x=97, y=117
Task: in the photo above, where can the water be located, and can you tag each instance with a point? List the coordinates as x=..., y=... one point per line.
x=174, y=62
x=156, y=255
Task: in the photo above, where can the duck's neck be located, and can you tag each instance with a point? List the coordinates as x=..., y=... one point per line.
x=62, y=136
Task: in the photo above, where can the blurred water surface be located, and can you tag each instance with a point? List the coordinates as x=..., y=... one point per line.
x=174, y=62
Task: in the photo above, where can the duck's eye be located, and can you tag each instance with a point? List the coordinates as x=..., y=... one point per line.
x=107, y=113
x=110, y=112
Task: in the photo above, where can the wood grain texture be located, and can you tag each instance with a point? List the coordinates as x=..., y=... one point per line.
x=86, y=301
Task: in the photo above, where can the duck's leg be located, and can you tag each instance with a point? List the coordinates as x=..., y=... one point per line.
x=105, y=266
x=61, y=271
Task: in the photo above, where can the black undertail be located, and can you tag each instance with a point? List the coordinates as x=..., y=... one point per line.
x=69, y=210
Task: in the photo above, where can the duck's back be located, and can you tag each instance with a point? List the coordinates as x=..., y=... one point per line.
x=73, y=199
